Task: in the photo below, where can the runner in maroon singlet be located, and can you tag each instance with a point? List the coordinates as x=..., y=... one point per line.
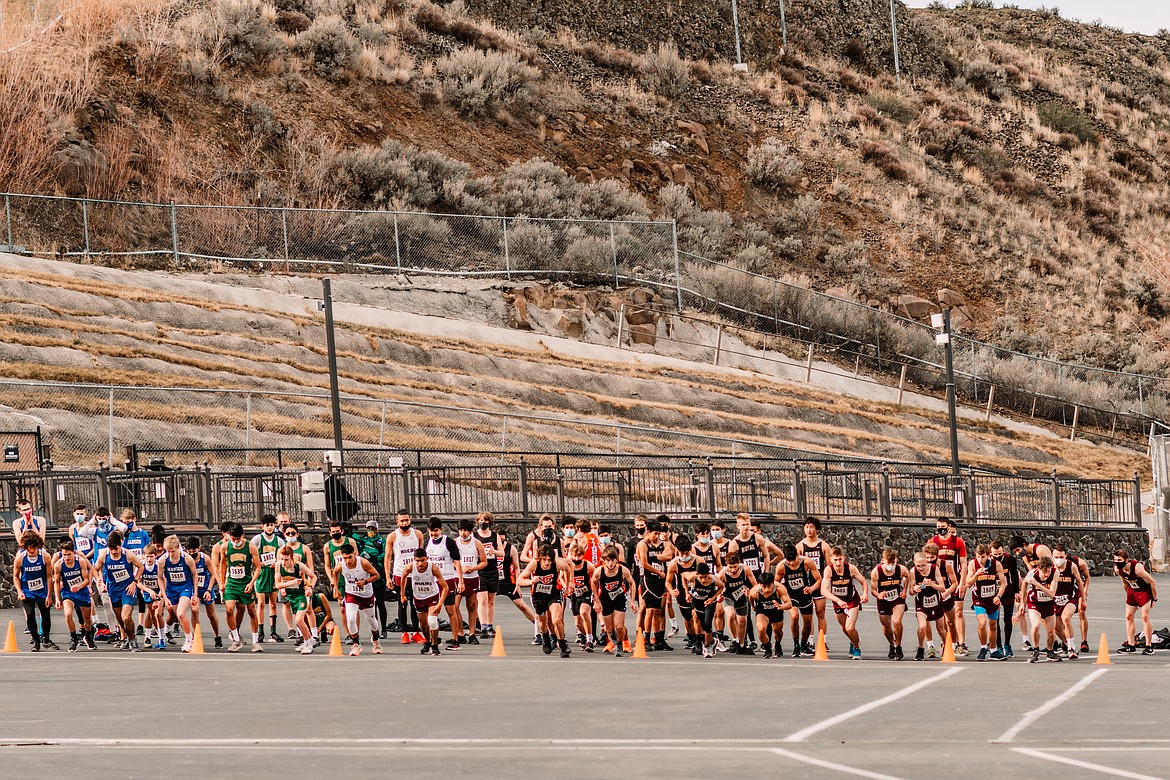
x=1140, y=594
x=929, y=589
x=839, y=587
x=1040, y=586
x=988, y=583
x=1069, y=585
x=889, y=580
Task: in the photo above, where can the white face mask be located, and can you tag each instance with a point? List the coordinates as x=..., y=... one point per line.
x=888, y=568
x=716, y=534
x=684, y=558
x=1059, y=561
x=603, y=540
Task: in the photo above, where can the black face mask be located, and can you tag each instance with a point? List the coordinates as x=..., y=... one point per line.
x=335, y=535
x=1119, y=565
x=942, y=530
x=640, y=531
x=484, y=526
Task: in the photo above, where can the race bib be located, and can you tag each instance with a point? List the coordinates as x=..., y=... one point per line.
x=1040, y=595
x=839, y=590
x=202, y=580
x=177, y=576
x=268, y=558
x=544, y=587
x=737, y=594
x=83, y=544
x=930, y=601
x=752, y=563
x=1061, y=600
x=74, y=582
x=890, y=595
x=121, y=575
x=236, y=572
x=988, y=591
x=36, y=584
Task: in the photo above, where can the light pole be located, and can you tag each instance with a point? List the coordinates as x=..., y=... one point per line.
x=735, y=23
x=942, y=322
x=334, y=396
x=894, y=31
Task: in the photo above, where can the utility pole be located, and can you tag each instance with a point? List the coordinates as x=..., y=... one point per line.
x=894, y=32
x=735, y=23
x=330, y=341
x=943, y=322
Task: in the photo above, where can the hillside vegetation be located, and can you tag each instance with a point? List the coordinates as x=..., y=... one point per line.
x=1021, y=162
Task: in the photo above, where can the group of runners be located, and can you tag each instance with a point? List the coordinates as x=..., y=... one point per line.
x=734, y=591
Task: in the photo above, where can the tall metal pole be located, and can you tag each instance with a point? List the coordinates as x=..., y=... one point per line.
x=897, y=62
x=334, y=395
x=783, y=26
x=951, y=394
x=735, y=22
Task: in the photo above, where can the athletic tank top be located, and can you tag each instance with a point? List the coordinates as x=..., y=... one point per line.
x=267, y=547
x=101, y=539
x=612, y=586
x=1035, y=594
x=1066, y=584
x=1132, y=582
x=72, y=577
x=491, y=543
x=351, y=577
x=507, y=569
x=404, y=547
x=424, y=584
x=176, y=574
x=889, y=586
x=135, y=541
x=796, y=580
x=83, y=543
x=705, y=556
x=300, y=554
x=34, y=576
x=319, y=609
x=768, y=602
x=813, y=553
x=202, y=581
x=150, y=576
x=439, y=552
x=928, y=597
x=292, y=591
x=700, y=592
x=545, y=583
x=581, y=579
x=734, y=586
x=841, y=585
x=117, y=572
x=681, y=568
x=948, y=550
x=749, y=553
x=657, y=569
x=468, y=557
x=239, y=563
x=985, y=587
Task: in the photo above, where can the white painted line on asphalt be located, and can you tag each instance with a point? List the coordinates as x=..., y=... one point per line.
x=849, y=770
x=1031, y=717
x=805, y=733
x=1107, y=770
x=1119, y=749
x=386, y=741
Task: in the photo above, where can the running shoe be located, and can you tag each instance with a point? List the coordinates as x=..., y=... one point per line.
x=1007, y=651
x=807, y=649
x=626, y=646
x=1084, y=647
x=472, y=639
x=219, y=643
x=140, y=631
x=306, y=648
x=855, y=654
x=546, y=647
x=257, y=647
x=982, y=654
x=435, y=650
x=292, y=633
x=796, y=651
x=134, y=648
x=673, y=629
x=707, y=651
x=49, y=643
x=1148, y=650
x=425, y=649
x=898, y=652
x=537, y=640
x=1052, y=655
x=892, y=654
x=767, y=651
x=418, y=638
x=1028, y=646
x=89, y=645
x=1072, y=654
x=356, y=649
x=663, y=646
x=452, y=644
x=931, y=652
x=405, y=639
x=609, y=648
x=962, y=650
x=461, y=639
x=753, y=646
x=1035, y=656
x=186, y=648
x=565, y=651
x=997, y=655
x=745, y=651
x=721, y=647
x=580, y=639
x=73, y=643
x=298, y=642
x=377, y=648
x=920, y=655
x=235, y=646
x=275, y=637
x=160, y=645
x=617, y=653
x=588, y=646
x=1126, y=647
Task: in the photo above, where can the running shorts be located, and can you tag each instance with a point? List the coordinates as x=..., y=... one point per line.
x=610, y=606
x=1137, y=598
x=266, y=580
x=991, y=615
x=470, y=587
x=297, y=603
x=576, y=602
x=887, y=607
x=841, y=610
x=740, y=605
x=452, y=592
x=362, y=602
x=236, y=593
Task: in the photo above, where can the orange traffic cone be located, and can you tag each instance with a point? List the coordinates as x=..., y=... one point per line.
x=822, y=651
x=1102, y=649
x=498, y=645
x=639, y=646
x=948, y=653
x=335, y=645
x=10, y=645
x=197, y=642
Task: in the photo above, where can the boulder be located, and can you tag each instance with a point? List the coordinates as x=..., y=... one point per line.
x=539, y=296
x=572, y=324
x=519, y=316
x=644, y=334
x=949, y=299
x=639, y=316
x=913, y=307
x=642, y=295
x=584, y=175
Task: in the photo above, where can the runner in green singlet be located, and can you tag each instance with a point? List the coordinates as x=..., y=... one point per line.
x=301, y=554
x=267, y=544
x=296, y=582
x=332, y=553
x=240, y=567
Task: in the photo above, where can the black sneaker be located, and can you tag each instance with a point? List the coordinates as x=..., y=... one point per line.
x=807, y=649
x=663, y=646
x=140, y=631
x=547, y=648
x=892, y=654
x=276, y=637
x=1126, y=647
x=461, y=639
x=89, y=643
x=745, y=651
x=435, y=650
x=1035, y=656
x=219, y=642
x=920, y=655
x=49, y=643
x=753, y=646
x=73, y=643
x=767, y=651
x=898, y=654
x=298, y=641
x=580, y=639
x=565, y=649
x=426, y=649
x=452, y=644
x=292, y=633
x=472, y=639
x=1148, y=650
x=1084, y=647
x=537, y=641
x=796, y=651
x=1052, y=655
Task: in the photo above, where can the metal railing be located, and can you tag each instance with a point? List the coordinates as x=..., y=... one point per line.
x=454, y=485
x=621, y=252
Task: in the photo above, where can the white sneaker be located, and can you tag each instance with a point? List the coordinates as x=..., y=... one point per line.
x=256, y=648
x=673, y=629
x=931, y=651
x=235, y=646
x=356, y=649
x=306, y=648
x=720, y=646
x=186, y=647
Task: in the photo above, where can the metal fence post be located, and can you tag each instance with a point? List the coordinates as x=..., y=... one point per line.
x=407, y=497
x=1055, y=498
x=798, y=496
x=523, y=487
x=85, y=223
x=712, y=509
x=621, y=324
x=8, y=217
x=752, y=504
x=718, y=345
x=621, y=493
x=969, y=497
x=1076, y=422
x=504, y=436
x=397, y=245
x=103, y=491
x=284, y=234
x=174, y=233
x=507, y=253
x=617, y=275
x=560, y=479
x=110, y=459
x=382, y=434
x=1137, y=499
x=884, y=502
x=677, y=264
x=248, y=429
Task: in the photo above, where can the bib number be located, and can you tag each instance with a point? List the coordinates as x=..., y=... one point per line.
x=202, y=580
x=178, y=577
x=73, y=582
x=929, y=602
x=1061, y=600
x=36, y=584
x=121, y=575
x=268, y=558
x=839, y=590
x=987, y=591
x=544, y=587
x=890, y=595
x=236, y=572
x=83, y=544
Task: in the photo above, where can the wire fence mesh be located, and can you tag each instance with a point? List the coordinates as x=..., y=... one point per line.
x=621, y=252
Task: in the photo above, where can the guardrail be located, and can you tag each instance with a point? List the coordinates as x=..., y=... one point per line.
x=453, y=486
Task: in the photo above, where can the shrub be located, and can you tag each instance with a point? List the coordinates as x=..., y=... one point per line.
x=292, y=22
x=237, y=32
x=772, y=165
x=843, y=260
x=620, y=60
x=890, y=105
x=530, y=245
x=884, y=158
x=799, y=217
x=589, y=256
x=609, y=199
x=535, y=188
x=393, y=174
x=479, y=83
x=986, y=77
x=1066, y=120
x=665, y=72
x=332, y=50
x=755, y=258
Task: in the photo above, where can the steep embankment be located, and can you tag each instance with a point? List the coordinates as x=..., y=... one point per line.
x=448, y=344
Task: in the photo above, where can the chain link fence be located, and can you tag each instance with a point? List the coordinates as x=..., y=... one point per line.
x=641, y=253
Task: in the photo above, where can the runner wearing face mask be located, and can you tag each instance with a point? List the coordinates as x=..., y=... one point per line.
x=1010, y=601
x=301, y=555
x=953, y=550
x=1069, y=586
x=988, y=583
x=400, y=549
x=816, y=549
x=489, y=578
x=802, y=579
x=677, y=573
x=331, y=552
x=630, y=559
x=1140, y=594
x=27, y=521
x=544, y=533
x=719, y=539
x=1082, y=597
x=890, y=580
x=568, y=536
